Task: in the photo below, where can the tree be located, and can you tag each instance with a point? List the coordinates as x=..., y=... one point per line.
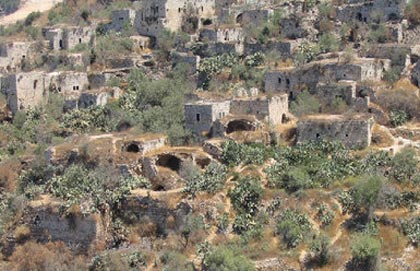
x=366, y=193
x=321, y=249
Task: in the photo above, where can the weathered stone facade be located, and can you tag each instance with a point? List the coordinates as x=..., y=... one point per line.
x=25, y=90
x=122, y=18
x=13, y=54
x=355, y=132
x=272, y=110
x=66, y=38
x=157, y=15
x=200, y=116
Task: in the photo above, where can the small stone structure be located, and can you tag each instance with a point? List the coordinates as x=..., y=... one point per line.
x=354, y=132
x=225, y=34
x=13, y=54
x=156, y=15
x=192, y=61
x=254, y=17
x=67, y=37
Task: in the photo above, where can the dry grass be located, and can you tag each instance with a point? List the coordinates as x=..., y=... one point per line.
x=381, y=138
x=393, y=242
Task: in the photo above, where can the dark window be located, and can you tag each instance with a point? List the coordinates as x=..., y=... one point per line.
x=80, y=40
x=35, y=83
x=61, y=44
x=198, y=117
x=279, y=80
x=287, y=82
x=121, y=18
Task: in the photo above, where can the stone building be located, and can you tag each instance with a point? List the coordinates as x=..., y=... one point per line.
x=122, y=18
x=65, y=38
x=68, y=83
x=254, y=17
x=190, y=60
x=371, y=11
x=272, y=110
x=25, y=90
x=354, y=132
x=13, y=54
x=292, y=80
x=200, y=117
x=157, y=15
x=224, y=34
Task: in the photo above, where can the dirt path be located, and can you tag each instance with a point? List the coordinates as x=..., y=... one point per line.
x=28, y=7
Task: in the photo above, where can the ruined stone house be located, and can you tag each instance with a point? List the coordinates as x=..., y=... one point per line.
x=157, y=15
x=122, y=18
x=372, y=11
x=201, y=116
x=223, y=34
x=292, y=80
x=354, y=132
x=25, y=90
x=67, y=37
x=31, y=89
x=13, y=54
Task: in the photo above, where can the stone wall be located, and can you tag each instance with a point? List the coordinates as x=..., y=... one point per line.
x=354, y=133
x=68, y=83
x=271, y=110
x=284, y=49
x=254, y=17
x=122, y=18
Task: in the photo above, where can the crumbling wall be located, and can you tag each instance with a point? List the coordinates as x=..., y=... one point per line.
x=122, y=18
x=12, y=55
x=354, y=133
x=272, y=110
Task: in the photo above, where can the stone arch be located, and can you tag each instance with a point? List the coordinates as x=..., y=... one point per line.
x=169, y=161
x=239, y=125
x=283, y=118
x=239, y=18
x=393, y=17
x=133, y=147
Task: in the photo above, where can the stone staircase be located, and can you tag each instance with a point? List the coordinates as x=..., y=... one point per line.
x=412, y=36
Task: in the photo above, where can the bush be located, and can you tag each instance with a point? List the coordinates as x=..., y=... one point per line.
x=365, y=251
x=247, y=195
x=32, y=17
x=211, y=181
x=227, y=259
x=328, y=43
x=412, y=12
x=405, y=166
x=398, y=117
x=411, y=228
x=293, y=227
x=320, y=247
x=366, y=193
x=305, y=104
x=9, y=6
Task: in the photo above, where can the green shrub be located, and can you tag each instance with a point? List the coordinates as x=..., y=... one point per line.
x=9, y=6
x=411, y=228
x=305, y=104
x=320, y=247
x=211, y=181
x=398, y=118
x=365, y=251
x=247, y=195
x=328, y=43
x=293, y=226
x=227, y=259
x=32, y=17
